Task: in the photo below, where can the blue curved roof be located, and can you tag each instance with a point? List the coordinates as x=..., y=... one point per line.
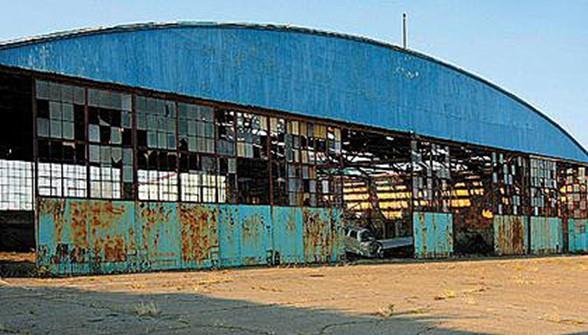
x=302, y=71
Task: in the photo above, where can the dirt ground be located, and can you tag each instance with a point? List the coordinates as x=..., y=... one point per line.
x=515, y=296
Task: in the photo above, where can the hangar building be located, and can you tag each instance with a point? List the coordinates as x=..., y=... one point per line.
x=194, y=145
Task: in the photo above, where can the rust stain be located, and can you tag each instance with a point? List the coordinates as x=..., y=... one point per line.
x=510, y=237
x=104, y=218
x=198, y=225
x=152, y=215
x=318, y=239
x=55, y=208
x=79, y=212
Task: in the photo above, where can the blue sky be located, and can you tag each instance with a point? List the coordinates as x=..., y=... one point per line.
x=536, y=49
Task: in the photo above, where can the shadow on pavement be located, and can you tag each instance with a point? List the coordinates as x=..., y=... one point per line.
x=66, y=310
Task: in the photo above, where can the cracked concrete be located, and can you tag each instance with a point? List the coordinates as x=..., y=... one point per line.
x=526, y=295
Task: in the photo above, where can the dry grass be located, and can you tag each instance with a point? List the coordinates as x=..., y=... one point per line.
x=448, y=294
x=386, y=312
x=556, y=318
x=147, y=309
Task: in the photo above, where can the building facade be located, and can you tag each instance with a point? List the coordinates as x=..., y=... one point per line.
x=192, y=145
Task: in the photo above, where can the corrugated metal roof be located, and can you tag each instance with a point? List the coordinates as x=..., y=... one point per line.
x=270, y=27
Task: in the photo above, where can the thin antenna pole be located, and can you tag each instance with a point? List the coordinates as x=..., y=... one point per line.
x=404, y=33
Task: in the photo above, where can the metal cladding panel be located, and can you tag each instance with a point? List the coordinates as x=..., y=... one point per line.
x=287, y=236
x=256, y=235
x=102, y=236
x=433, y=234
x=510, y=234
x=229, y=236
x=199, y=235
x=578, y=235
x=546, y=235
x=322, y=234
x=62, y=237
x=158, y=232
x=112, y=235
x=306, y=72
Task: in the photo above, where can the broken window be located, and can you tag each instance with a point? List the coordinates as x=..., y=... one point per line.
x=574, y=190
x=61, y=140
x=110, y=151
x=431, y=176
x=198, y=178
x=196, y=128
x=227, y=180
x=509, y=177
x=253, y=181
x=157, y=175
x=252, y=162
x=544, y=190
x=16, y=133
x=157, y=157
x=329, y=181
x=252, y=136
x=279, y=173
x=225, y=131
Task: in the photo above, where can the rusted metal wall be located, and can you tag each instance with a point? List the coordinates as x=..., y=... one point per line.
x=577, y=235
x=99, y=236
x=510, y=234
x=546, y=235
x=199, y=235
x=433, y=234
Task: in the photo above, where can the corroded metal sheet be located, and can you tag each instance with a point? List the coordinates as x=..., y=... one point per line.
x=101, y=236
x=199, y=235
x=433, y=234
x=510, y=234
x=158, y=235
x=62, y=236
x=578, y=235
x=546, y=235
x=111, y=233
x=288, y=243
x=321, y=234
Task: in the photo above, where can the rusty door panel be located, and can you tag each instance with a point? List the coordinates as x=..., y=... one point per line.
x=546, y=235
x=578, y=235
x=288, y=242
x=158, y=235
x=62, y=236
x=433, y=234
x=321, y=234
x=199, y=235
x=112, y=236
x=510, y=234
